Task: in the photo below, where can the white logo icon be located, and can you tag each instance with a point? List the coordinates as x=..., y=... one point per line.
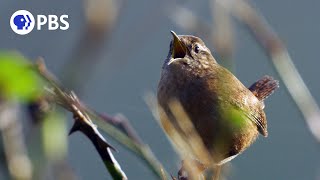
x=22, y=22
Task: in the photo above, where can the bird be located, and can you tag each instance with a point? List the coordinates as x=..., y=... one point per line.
x=227, y=116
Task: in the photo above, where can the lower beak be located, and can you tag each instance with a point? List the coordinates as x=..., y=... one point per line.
x=171, y=61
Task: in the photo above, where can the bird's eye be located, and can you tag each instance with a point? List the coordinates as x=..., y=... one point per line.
x=196, y=49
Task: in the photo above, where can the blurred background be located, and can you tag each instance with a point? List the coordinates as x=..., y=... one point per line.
x=112, y=54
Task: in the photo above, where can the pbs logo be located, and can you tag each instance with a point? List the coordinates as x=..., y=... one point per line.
x=22, y=22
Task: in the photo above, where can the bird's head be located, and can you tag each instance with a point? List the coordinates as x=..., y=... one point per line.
x=189, y=52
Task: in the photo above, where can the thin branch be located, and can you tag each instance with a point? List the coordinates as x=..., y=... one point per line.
x=133, y=143
x=122, y=123
x=84, y=124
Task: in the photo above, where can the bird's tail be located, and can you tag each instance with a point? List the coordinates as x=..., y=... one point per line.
x=264, y=87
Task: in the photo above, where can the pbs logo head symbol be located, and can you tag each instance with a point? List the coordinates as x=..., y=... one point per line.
x=22, y=22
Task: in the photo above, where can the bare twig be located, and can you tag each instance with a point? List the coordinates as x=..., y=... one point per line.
x=121, y=122
x=134, y=144
x=141, y=150
x=84, y=124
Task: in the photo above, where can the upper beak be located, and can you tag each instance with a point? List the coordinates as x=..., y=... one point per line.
x=179, y=49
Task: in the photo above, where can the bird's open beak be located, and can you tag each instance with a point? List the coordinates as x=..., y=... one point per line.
x=179, y=49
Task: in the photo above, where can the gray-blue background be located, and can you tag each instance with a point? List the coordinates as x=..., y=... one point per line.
x=130, y=66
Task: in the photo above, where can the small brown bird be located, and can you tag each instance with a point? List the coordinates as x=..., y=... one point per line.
x=227, y=116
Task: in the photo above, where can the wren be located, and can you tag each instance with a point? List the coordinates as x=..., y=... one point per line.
x=226, y=115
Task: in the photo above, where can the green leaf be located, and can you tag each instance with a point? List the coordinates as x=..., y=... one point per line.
x=17, y=78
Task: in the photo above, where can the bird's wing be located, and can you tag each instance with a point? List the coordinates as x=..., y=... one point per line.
x=239, y=114
x=242, y=99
